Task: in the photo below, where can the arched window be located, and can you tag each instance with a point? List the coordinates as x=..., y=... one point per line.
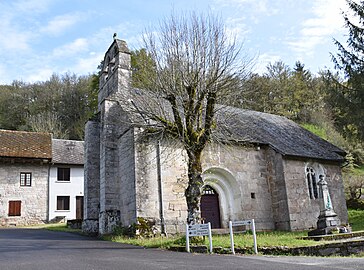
x=207, y=190
x=312, y=182
x=106, y=65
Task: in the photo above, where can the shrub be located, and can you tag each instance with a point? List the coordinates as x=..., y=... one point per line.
x=146, y=227
x=124, y=230
x=356, y=204
x=143, y=228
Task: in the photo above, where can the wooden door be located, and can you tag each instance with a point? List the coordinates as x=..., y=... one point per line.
x=79, y=207
x=210, y=209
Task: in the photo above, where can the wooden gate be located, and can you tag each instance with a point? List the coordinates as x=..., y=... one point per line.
x=79, y=207
x=210, y=209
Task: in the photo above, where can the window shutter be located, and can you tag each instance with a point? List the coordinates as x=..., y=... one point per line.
x=14, y=208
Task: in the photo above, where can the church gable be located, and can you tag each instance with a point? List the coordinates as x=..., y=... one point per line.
x=115, y=74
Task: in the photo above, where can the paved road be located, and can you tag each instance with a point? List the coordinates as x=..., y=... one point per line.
x=33, y=249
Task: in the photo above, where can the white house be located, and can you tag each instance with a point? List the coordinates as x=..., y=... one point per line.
x=66, y=180
x=41, y=179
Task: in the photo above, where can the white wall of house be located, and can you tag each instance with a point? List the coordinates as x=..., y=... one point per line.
x=72, y=189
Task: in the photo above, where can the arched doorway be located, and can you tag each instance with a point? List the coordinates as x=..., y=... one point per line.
x=210, y=210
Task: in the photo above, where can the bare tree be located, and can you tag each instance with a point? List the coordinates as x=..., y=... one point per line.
x=195, y=65
x=47, y=122
x=354, y=185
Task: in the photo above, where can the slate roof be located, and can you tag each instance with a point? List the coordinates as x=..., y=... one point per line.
x=280, y=133
x=67, y=152
x=21, y=144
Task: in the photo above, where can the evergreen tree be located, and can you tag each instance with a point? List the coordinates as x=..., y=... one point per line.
x=348, y=96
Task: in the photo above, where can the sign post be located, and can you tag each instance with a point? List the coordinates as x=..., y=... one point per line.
x=242, y=223
x=198, y=230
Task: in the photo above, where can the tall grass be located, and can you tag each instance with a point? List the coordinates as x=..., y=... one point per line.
x=356, y=219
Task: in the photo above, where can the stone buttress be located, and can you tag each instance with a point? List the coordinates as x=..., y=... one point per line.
x=104, y=144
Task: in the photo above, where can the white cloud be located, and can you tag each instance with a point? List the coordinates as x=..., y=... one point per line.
x=40, y=74
x=236, y=27
x=326, y=21
x=239, y=3
x=263, y=61
x=67, y=50
x=31, y=6
x=87, y=64
x=257, y=8
x=3, y=75
x=61, y=23
x=12, y=38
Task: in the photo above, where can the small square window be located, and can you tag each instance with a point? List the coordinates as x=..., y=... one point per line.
x=63, y=202
x=14, y=208
x=252, y=195
x=25, y=179
x=63, y=174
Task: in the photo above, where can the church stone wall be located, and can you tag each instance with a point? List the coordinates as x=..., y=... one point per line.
x=174, y=180
x=127, y=189
x=147, y=200
x=112, y=119
x=251, y=197
x=278, y=189
x=92, y=177
x=303, y=211
x=249, y=194
x=337, y=191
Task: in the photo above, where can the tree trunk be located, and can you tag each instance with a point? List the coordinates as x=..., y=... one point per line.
x=193, y=191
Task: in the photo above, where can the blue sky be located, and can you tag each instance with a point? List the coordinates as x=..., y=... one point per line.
x=42, y=37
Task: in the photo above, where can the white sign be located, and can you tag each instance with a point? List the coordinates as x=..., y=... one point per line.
x=241, y=223
x=198, y=229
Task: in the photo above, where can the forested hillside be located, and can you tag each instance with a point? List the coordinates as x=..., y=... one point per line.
x=329, y=104
x=60, y=105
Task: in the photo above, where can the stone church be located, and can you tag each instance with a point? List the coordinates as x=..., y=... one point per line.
x=270, y=173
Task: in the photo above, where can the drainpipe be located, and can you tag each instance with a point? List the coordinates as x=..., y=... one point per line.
x=160, y=188
x=49, y=191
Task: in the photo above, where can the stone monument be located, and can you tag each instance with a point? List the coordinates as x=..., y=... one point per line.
x=327, y=220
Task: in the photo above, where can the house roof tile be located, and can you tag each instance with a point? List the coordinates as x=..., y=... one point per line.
x=67, y=152
x=22, y=144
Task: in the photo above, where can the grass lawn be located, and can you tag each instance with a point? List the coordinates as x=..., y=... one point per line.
x=359, y=170
x=356, y=219
x=264, y=239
